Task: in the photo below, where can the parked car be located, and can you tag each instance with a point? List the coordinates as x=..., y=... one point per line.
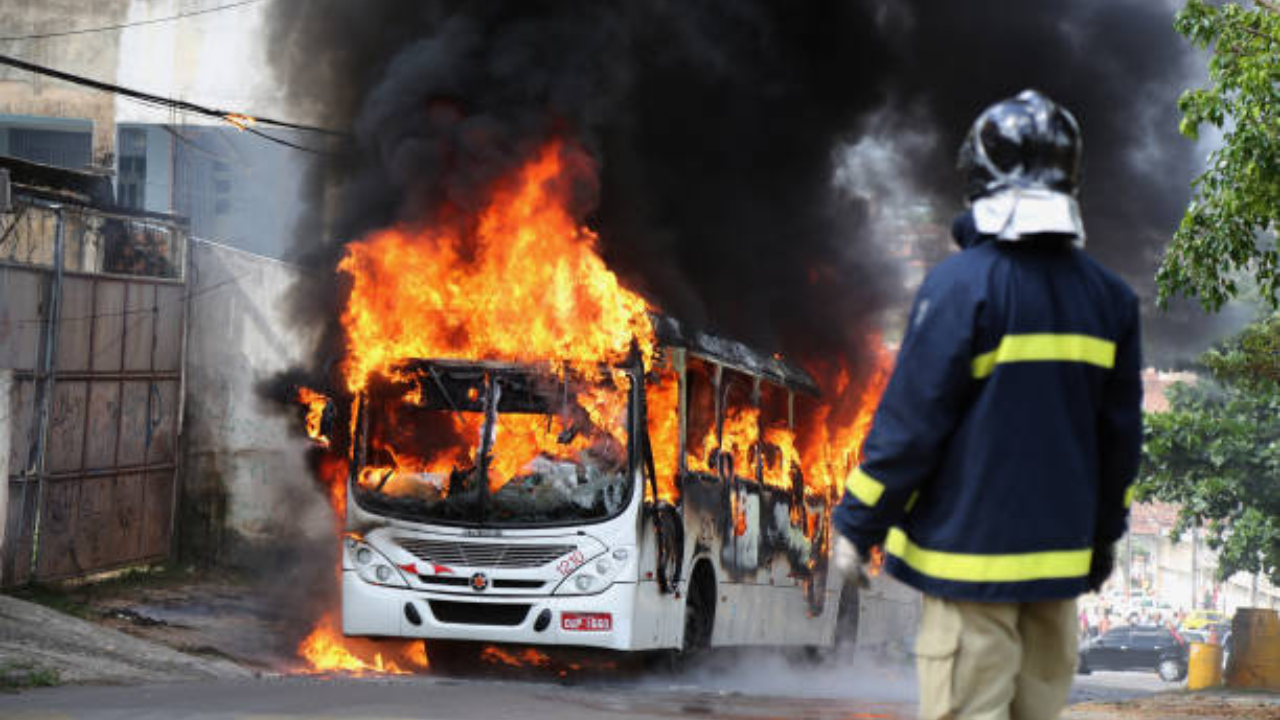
x=1195, y=636
x=1197, y=619
x=1214, y=634
x=1136, y=647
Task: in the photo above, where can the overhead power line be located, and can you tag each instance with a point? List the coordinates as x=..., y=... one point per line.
x=121, y=26
x=241, y=120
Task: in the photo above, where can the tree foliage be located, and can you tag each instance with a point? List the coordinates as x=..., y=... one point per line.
x=1216, y=452
x=1229, y=229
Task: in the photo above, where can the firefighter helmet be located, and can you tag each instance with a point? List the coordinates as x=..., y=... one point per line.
x=1023, y=142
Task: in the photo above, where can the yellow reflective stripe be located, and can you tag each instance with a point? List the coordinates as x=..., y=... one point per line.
x=1044, y=347
x=961, y=567
x=910, y=501
x=864, y=487
x=1128, y=496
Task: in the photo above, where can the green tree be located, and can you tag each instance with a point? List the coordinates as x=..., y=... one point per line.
x=1229, y=229
x=1216, y=452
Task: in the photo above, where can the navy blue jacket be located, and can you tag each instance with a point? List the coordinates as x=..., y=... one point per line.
x=1005, y=444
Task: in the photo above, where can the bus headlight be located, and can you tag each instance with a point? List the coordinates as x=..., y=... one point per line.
x=597, y=574
x=372, y=566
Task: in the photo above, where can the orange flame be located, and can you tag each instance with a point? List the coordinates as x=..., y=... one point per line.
x=823, y=447
x=333, y=471
x=240, y=120
x=326, y=650
x=662, y=399
x=524, y=284
x=877, y=561
x=830, y=437
x=527, y=658
x=315, y=403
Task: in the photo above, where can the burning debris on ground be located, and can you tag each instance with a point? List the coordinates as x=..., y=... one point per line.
x=326, y=650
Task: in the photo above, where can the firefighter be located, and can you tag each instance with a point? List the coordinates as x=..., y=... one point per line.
x=997, y=470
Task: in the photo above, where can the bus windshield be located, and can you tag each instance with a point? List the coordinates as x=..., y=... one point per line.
x=490, y=445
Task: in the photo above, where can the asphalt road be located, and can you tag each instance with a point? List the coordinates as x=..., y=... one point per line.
x=752, y=688
x=1117, y=686
x=423, y=697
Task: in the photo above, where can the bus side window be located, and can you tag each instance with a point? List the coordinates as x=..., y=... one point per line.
x=662, y=398
x=778, y=448
x=700, y=415
x=740, y=424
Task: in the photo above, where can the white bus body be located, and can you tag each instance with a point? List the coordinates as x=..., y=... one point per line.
x=744, y=560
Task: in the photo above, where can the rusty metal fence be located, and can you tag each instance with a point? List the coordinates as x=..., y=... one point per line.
x=92, y=309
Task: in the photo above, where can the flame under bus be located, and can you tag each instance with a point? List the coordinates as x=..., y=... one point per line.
x=616, y=507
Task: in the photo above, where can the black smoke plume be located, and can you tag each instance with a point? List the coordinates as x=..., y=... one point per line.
x=718, y=128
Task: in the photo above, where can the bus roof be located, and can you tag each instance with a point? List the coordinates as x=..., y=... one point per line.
x=671, y=333
x=734, y=354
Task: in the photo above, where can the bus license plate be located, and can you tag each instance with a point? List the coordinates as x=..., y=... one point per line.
x=586, y=622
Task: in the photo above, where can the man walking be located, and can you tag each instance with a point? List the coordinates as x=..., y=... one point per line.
x=997, y=470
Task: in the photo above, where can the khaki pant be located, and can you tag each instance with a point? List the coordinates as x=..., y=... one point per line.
x=995, y=661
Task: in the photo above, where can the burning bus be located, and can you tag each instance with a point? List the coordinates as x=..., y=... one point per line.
x=522, y=450
x=615, y=506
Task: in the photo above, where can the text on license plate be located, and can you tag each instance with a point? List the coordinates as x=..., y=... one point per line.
x=586, y=622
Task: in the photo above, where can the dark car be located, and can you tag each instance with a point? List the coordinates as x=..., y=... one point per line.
x=1136, y=647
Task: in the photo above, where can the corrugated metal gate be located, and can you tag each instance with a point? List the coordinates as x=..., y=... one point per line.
x=91, y=322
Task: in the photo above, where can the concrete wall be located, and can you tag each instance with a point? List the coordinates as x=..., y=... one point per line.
x=6, y=385
x=245, y=486
x=94, y=55
x=219, y=59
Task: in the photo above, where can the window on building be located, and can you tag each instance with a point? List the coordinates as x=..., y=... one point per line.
x=63, y=148
x=131, y=168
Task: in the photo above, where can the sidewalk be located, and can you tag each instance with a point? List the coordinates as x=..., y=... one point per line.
x=40, y=646
x=1216, y=704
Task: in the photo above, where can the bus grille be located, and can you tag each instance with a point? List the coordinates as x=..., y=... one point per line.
x=465, y=613
x=498, y=583
x=485, y=555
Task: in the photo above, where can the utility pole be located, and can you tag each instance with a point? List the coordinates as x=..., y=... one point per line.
x=1195, y=569
x=1128, y=563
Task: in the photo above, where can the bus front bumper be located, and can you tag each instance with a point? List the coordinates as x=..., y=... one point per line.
x=379, y=611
